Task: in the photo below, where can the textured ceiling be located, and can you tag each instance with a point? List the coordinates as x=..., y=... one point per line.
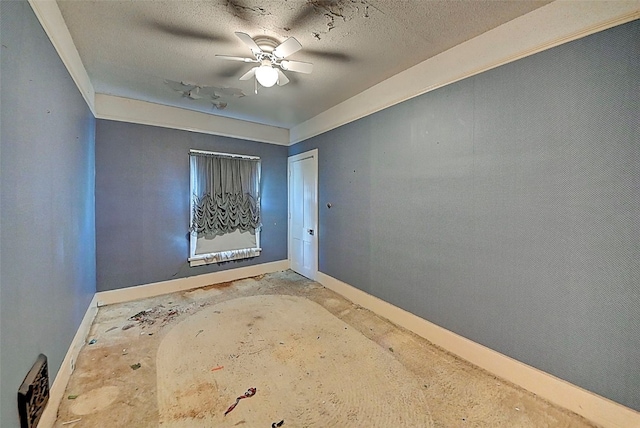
x=132, y=49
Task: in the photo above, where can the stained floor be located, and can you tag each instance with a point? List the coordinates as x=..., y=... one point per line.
x=180, y=360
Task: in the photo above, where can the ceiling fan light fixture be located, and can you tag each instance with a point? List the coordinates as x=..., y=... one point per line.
x=266, y=75
x=271, y=56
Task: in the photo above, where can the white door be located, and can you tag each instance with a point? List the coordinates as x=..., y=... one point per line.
x=303, y=213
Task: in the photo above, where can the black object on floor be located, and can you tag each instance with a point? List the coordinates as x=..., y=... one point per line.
x=33, y=394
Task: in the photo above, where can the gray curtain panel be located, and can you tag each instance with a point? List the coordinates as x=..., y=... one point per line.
x=226, y=194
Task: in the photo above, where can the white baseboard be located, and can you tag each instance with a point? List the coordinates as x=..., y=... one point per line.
x=56, y=393
x=181, y=284
x=597, y=409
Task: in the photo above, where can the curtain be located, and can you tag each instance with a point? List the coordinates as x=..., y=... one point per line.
x=226, y=194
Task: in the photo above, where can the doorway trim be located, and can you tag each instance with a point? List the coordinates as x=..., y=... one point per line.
x=313, y=154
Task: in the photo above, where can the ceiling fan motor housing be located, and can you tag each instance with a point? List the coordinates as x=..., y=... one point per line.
x=266, y=43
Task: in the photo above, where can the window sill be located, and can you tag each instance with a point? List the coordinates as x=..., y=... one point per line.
x=223, y=256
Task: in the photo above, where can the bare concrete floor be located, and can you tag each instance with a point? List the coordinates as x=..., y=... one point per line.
x=141, y=371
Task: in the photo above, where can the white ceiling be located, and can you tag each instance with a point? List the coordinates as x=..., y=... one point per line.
x=131, y=48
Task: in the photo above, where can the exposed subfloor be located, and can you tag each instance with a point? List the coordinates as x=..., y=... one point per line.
x=181, y=360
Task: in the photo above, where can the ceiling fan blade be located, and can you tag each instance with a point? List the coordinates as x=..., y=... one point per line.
x=286, y=48
x=297, y=66
x=282, y=78
x=248, y=41
x=236, y=58
x=249, y=74
x=232, y=69
x=304, y=15
x=184, y=32
x=329, y=55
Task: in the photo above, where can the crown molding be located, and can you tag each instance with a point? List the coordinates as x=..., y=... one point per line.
x=128, y=110
x=551, y=25
x=146, y=113
x=52, y=22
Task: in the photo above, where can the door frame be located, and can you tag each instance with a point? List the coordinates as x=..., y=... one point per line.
x=313, y=154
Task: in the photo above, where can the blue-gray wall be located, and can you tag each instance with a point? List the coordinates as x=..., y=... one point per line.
x=506, y=208
x=47, y=221
x=142, y=202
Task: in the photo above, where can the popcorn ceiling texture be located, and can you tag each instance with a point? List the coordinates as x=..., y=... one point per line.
x=130, y=48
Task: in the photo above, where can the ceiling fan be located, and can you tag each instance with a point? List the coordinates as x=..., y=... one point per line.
x=271, y=57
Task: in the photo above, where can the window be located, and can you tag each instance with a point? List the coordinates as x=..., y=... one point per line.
x=225, y=207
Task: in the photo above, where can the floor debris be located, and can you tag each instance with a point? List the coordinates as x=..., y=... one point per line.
x=277, y=424
x=140, y=315
x=135, y=366
x=71, y=422
x=250, y=393
x=293, y=353
x=110, y=329
x=217, y=368
x=128, y=326
x=159, y=313
x=72, y=397
x=92, y=341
